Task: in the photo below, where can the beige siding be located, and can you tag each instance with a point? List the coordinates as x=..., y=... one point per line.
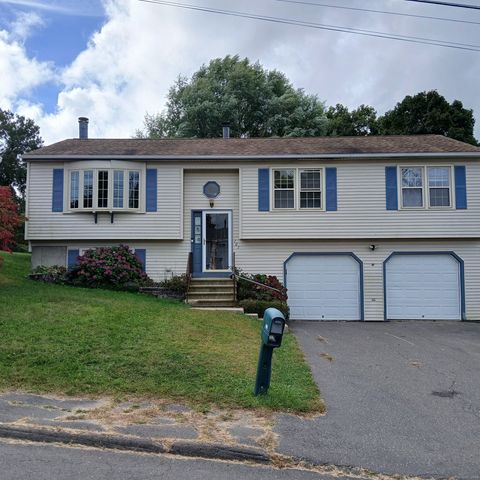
x=165, y=258
x=269, y=257
x=44, y=224
x=195, y=200
x=361, y=208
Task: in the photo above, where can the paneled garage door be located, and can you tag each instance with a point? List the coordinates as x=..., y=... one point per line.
x=324, y=287
x=423, y=287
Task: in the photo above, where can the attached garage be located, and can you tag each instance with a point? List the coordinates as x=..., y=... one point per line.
x=423, y=286
x=324, y=286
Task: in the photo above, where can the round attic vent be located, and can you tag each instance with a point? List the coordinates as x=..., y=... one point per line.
x=211, y=189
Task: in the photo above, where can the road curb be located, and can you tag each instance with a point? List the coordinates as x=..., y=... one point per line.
x=114, y=442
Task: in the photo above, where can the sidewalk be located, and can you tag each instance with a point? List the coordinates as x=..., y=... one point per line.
x=154, y=427
x=142, y=426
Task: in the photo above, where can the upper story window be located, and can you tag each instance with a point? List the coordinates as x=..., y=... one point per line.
x=439, y=186
x=426, y=186
x=104, y=189
x=412, y=187
x=284, y=188
x=310, y=188
x=297, y=188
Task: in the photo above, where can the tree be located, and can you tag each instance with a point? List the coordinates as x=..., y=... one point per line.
x=361, y=121
x=10, y=220
x=429, y=112
x=255, y=102
x=18, y=135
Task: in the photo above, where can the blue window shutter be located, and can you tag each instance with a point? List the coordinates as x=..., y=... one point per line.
x=460, y=187
x=57, y=190
x=141, y=254
x=151, y=186
x=72, y=257
x=331, y=189
x=391, y=188
x=263, y=189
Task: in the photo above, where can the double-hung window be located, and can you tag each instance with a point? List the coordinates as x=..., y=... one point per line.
x=105, y=189
x=74, y=189
x=412, y=187
x=310, y=188
x=297, y=188
x=439, y=186
x=426, y=187
x=88, y=189
x=284, y=188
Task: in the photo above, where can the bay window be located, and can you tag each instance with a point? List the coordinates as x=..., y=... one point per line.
x=105, y=189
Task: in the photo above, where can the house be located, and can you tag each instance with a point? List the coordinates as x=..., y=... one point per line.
x=357, y=228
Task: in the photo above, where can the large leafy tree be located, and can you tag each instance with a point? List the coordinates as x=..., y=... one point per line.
x=255, y=102
x=360, y=121
x=429, y=112
x=18, y=135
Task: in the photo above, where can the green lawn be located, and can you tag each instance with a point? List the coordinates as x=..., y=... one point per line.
x=93, y=342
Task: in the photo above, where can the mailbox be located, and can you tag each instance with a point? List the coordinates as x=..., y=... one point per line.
x=273, y=326
x=272, y=334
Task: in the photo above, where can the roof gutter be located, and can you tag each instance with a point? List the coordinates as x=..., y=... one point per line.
x=255, y=157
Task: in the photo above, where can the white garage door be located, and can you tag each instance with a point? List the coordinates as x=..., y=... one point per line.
x=423, y=287
x=323, y=287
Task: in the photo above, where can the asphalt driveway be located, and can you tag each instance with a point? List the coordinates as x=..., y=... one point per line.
x=402, y=397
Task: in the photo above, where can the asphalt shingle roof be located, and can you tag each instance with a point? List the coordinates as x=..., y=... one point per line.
x=407, y=144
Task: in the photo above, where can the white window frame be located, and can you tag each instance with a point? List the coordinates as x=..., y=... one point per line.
x=297, y=189
x=426, y=187
x=450, y=187
x=322, y=188
x=109, y=207
x=401, y=187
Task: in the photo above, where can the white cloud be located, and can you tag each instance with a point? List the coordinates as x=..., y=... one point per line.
x=20, y=74
x=131, y=62
x=54, y=6
x=22, y=27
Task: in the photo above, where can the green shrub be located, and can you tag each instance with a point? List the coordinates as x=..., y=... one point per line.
x=177, y=284
x=110, y=267
x=249, y=290
x=50, y=274
x=251, y=305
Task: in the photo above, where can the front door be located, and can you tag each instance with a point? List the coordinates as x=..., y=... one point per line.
x=212, y=242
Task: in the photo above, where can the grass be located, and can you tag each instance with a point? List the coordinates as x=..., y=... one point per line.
x=75, y=341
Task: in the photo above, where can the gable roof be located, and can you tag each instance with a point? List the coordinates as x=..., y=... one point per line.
x=195, y=148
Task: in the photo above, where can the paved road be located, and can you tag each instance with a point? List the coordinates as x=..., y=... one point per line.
x=402, y=397
x=47, y=462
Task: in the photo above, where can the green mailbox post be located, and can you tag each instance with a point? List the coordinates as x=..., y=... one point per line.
x=272, y=334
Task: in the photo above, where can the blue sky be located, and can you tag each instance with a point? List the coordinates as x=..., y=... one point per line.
x=114, y=60
x=63, y=33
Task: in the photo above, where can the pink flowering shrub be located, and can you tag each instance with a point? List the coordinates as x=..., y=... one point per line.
x=111, y=267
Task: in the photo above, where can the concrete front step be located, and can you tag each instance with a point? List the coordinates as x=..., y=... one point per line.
x=229, y=297
x=211, y=303
x=211, y=281
x=212, y=289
